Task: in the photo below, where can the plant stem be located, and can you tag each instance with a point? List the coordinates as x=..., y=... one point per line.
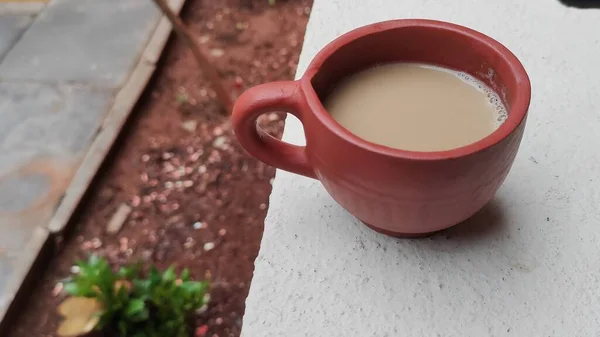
x=186, y=36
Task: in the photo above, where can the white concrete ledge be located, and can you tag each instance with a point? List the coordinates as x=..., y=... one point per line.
x=528, y=265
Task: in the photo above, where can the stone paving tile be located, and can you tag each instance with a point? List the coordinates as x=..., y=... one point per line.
x=15, y=265
x=6, y=268
x=59, y=73
x=48, y=118
x=11, y=27
x=44, y=134
x=87, y=41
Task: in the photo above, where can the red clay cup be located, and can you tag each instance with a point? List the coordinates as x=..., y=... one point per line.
x=396, y=192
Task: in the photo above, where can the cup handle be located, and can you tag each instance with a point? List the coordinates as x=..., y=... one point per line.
x=275, y=96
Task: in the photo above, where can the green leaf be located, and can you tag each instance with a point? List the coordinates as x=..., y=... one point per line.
x=185, y=275
x=135, y=307
x=126, y=272
x=94, y=261
x=123, y=328
x=141, y=286
x=195, y=288
x=73, y=289
x=154, y=276
x=169, y=274
x=182, y=97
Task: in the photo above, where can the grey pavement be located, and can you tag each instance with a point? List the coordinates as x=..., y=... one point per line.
x=61, y=65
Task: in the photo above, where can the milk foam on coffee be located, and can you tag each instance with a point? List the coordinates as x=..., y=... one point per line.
x=416, y=107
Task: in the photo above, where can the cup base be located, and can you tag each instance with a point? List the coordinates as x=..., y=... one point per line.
x=401, y=235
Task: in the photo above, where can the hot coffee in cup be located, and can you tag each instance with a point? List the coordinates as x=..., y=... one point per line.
x=411, y=125
x=416, y=107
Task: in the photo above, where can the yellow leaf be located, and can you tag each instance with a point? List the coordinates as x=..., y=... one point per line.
x=122, y=283
x=80, y=314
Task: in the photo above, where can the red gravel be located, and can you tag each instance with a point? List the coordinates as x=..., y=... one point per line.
x=198, y=200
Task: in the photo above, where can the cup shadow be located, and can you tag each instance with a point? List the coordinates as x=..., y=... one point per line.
x=486, y=223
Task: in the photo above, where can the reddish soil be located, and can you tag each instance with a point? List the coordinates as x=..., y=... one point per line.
x=198, y=200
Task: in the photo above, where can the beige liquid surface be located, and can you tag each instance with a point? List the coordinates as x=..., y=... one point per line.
x=416, y=107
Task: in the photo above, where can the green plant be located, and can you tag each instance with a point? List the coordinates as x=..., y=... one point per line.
x=128, y=305
x=182, y=97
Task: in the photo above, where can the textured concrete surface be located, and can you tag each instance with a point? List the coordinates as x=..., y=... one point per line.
x=527, y=265
x=82, y=41
x=62, y=74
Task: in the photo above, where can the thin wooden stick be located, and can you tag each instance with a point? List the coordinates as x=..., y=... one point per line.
x=203, y=61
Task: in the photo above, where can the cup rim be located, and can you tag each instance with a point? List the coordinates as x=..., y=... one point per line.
x=516, y=111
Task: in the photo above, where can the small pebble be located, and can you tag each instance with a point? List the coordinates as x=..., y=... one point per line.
x=216, y=52
x=218, y=131
x=168, y=167
x=219, y=321
x=198, y=225
x=169, y=185
x=262, y=206
x=123, y=244
x=202, y=169
x=201, y=331
x=209, y=246
x=75, y=269
x=195, y=156
x=220, y=142
x=214, y=157
x=136, y=200
x=145, y=158
x=203, y=39
x=189, y=243
x=96, y=243
x=58, y=288
x=189, y=125
x=147, y=255
x=222, y=232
